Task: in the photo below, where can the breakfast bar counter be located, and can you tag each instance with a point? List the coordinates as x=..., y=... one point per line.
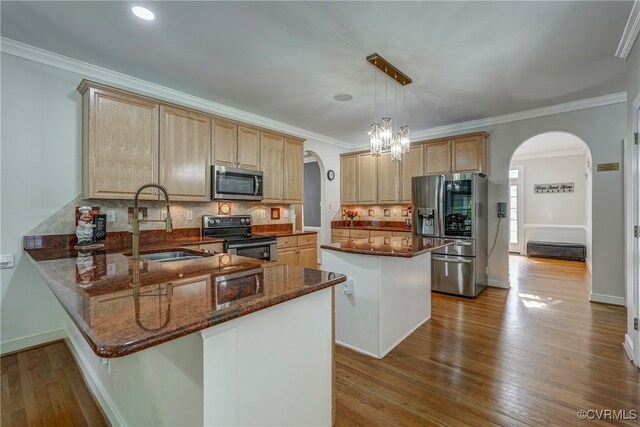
x=201, y=338
x=387, y=294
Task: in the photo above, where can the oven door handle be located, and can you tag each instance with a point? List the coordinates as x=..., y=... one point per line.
x=249, y=245
x=257, y=182
x=449, y=259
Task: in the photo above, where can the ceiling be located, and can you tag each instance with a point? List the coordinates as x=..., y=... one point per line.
x=286, y=60
x=550, y=143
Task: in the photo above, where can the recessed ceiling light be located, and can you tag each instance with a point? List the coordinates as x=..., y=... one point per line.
x=143, y=13
x=342, y=97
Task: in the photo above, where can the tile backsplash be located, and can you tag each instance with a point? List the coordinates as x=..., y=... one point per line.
x=63, y=221
x=376, y=212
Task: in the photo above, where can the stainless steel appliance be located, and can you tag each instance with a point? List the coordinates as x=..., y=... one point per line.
x=454, y=206
x=235, y=184
x=238, y=240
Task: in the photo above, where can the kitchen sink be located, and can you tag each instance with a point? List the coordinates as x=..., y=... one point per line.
x=171, y=256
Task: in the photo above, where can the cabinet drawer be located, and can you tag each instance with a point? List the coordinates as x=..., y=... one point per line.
x=287, y=242
x=401, y=234
x=339, y=232
x=359, y=234
x=307, y=239
x=379, y=233
x=339, y=239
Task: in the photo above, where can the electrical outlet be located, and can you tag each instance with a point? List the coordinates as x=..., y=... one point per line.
x=163, y=214
x=286, y=213
x=347, y=288
x=189, y=215
x=263, y=215
x=7, y=261
x=111, y=269
x=502, y=209
x=395, y=212
x=111, y=216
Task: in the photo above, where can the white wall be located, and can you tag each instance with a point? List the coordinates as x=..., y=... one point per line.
x=328, y=159
x=560, y=217
x=41, y=158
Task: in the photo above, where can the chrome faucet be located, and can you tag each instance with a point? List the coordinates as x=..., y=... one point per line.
x=135, y=223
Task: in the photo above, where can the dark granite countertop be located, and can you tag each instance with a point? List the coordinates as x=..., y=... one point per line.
x=121, y=306
x=406, y=247
x=372, y=227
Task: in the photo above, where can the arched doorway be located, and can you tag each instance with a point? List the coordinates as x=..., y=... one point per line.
x=550, y=192
x=313, y=206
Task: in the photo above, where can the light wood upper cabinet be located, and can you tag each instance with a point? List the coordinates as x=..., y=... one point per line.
x=388, y=179
x=438, y=157
x=349, y=179
x=120, y=133
x=368, y=178
x=412, y=165
x=185, y=150
x=469, y=154
x=293, y=170
x=248, y=148
x=272, y=149
x=225, y=143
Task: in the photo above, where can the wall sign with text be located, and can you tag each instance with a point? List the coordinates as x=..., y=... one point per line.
x=566, y=187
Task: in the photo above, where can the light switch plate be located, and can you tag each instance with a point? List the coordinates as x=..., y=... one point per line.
x=263, y=215
x=163, y=214
x=189, y=215
x=7, y=261
x=286, y=213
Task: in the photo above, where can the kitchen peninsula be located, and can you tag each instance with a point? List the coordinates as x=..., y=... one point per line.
x=212, y=340
x=388, y=292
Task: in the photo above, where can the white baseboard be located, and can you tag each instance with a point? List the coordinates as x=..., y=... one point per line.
x=32, y=340
x=628, y=346
x=498, y=284
x=101, y=395
x=607, y=299
x=356, y=349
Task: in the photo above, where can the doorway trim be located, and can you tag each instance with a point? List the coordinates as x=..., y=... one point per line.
x=319, y=230
x=519, y=182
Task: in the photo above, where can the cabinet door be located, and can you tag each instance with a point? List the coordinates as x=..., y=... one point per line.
x=412, y=165
x=272, y=157
x=368, y=178
x=379, y=233
x=121, y=145
x=248, y=148
x=349, y=180
x=185, y=150
x=225, y=143
x=287, y=256
x=308, y=257
x=388, y=179
x=468, y=154
x=438, y=157
x=293, y=171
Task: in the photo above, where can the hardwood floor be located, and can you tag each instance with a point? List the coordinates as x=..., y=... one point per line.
x=43, y=387
x=533, y=355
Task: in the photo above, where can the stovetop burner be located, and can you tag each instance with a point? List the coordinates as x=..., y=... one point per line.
x=231, y=228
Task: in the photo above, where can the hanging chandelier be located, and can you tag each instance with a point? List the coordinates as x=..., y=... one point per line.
x=387, y=135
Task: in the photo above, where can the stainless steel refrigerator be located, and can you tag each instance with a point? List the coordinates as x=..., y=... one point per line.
x=454, y=206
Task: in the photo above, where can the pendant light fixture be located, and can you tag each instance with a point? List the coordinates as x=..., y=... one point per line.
x=387, y=135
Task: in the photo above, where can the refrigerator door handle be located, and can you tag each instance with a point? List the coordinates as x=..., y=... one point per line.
x=440, y=197
x=448, y=259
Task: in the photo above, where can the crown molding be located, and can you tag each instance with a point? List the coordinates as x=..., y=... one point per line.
x=124, y=81
x=630, y=33
x=599, y=101
x=547, y=154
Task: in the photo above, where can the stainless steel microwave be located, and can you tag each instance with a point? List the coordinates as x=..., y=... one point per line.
x=235, y=184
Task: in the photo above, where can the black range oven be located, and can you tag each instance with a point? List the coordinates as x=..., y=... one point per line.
x=238, y=240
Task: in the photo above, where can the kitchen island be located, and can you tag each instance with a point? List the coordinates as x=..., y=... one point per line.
x=387, y=294
x=213, y=340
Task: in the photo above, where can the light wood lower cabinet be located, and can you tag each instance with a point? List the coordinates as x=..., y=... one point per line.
x=301, y=251
x=343, y=234
x=185, y=150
